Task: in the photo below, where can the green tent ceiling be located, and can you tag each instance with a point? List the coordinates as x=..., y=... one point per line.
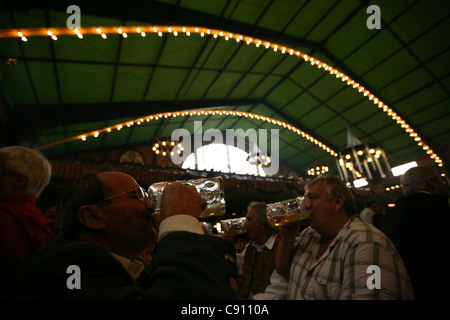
x=63, y=88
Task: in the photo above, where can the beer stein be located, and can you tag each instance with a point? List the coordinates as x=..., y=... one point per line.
x=211, y=189
x=286, y=211
x=233, y=226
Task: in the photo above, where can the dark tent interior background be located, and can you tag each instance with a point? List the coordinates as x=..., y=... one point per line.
x=318, y=71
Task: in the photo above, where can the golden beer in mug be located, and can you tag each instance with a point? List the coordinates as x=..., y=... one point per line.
x=233, y=226
x=286, y=211
x=211, y=189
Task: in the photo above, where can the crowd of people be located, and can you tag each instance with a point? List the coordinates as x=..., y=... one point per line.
x=101, y=239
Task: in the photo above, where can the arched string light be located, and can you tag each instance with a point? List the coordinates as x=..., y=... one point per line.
x=139, y=121
x=103, y=31
x=190, y=113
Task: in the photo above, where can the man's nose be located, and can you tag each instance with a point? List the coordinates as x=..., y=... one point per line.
x=149, y=204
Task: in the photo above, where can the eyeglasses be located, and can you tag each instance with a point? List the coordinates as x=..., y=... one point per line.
x=141, y=195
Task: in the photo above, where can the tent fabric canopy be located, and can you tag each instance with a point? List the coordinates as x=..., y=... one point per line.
x=57, y=89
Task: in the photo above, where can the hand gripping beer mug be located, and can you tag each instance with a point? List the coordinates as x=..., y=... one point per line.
x=286, y=211
x=233, y=226
x=211, y=189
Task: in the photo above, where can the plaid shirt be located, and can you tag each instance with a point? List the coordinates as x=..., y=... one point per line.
x=342, y=271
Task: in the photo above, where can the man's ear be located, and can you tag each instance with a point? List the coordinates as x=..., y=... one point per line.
x=339, y=203
x=20, y=181
x=91, y=217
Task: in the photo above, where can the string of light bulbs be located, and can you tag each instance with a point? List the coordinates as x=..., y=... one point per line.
x=103, y=31
x=213, y=112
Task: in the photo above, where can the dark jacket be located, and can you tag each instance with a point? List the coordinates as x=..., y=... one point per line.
x=184, y=266
x=419, y=227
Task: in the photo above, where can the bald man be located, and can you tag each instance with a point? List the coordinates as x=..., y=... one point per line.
x=106, y=221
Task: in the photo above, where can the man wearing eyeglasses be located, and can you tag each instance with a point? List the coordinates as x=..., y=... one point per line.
x=106, y=222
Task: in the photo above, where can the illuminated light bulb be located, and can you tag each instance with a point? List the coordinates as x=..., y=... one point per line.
x=109, y=129
x=143, y=34
x=169, y=29
x=119, y=30
x=208, y=31
x=138, y=30
x=99, y=31
x=24, y=39
x=54, y=37
x=20, y=34
x=183, y=29
x=49, y=33
x=124, y=35
x=175, y=33
x=83, y=137
x=196, y=30
x=215, y=35
x=160, y=33
x=202, y=34
x=267, y=45
x=96, y=134
x=104, y=36
x=155, y=29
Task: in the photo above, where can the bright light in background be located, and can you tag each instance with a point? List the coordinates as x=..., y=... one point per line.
x=358, y=183
x=399, y=170
x=223, y=158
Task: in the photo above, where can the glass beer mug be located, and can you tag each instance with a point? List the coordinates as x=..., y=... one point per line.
x=233, y=226
x=211, y=189
x=286, y=211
